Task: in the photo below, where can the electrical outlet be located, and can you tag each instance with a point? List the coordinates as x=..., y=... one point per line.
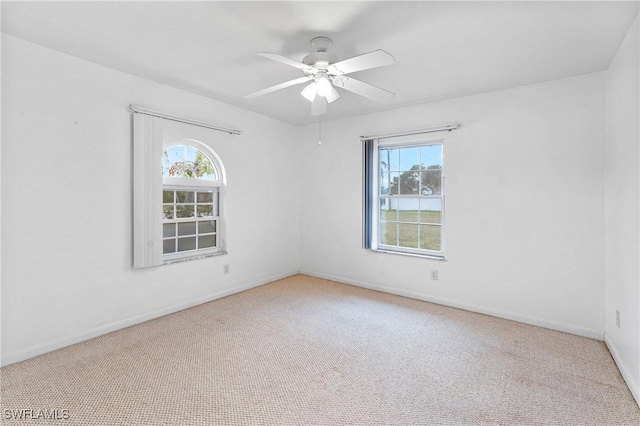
x=226, y=269
x=434, y=274
x=618, y=318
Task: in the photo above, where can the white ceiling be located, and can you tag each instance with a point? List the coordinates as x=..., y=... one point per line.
x=442, y=49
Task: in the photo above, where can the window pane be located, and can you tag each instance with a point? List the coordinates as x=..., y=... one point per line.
x=187, y=162
x=205, y=197
x=388, y=210
x=409, y=159
x=431, y=210
x=408, y=235
x=203, y=167
x=185, y=197
x=188, y=243
x=186, y=228
x=384, y=183
x=170, y=157
x=430, y=237
x=169, y=230
x=383, y=160
x=205, y=210
x=185, y=211
x=389, y=160
x=167, y=196
x=431, y=156
x=389, y=233
x=408, y=210
x=409, y=183
x=206, y=226
x=169, y=246
x=431, y=182
x=167, y=212
x=394, y=183
x=206, y=241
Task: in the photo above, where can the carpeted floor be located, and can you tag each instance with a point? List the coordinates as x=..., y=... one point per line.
x=309, y=351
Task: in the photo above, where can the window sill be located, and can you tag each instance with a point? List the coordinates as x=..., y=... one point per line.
x=194, y=257
x=402, y=253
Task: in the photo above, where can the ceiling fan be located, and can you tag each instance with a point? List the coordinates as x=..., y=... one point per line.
x=324, y=73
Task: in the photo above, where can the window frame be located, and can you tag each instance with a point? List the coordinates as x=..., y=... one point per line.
x=374, y=223
x=197, y=185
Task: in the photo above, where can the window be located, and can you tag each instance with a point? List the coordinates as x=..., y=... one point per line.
x=178, y=192
x=404, y=198
x=190, y=201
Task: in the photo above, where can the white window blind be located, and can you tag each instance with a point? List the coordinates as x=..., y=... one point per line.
x=147, y=194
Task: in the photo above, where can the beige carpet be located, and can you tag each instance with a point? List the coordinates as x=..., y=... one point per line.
x=308, y=351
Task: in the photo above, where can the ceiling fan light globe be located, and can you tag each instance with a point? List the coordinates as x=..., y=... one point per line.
x=333, y=95
x=324, y=86
x=310, y=91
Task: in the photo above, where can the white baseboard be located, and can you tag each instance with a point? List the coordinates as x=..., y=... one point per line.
x=539, y=322
x=33, y=351
x=634, y=386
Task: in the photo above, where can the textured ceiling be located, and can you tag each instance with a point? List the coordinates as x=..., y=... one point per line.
x=442, y=49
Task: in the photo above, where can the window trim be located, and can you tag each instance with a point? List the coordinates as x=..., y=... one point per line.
x=372, y=221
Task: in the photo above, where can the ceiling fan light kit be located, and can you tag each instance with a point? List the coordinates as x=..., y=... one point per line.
x=323, y=85
x=324, y=73
x=310, y=91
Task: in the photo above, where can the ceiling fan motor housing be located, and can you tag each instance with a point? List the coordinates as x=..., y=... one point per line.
x=320, y=59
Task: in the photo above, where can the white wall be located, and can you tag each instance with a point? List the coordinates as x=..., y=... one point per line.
x=67, y=208
x=622, y=210
x=524, y=210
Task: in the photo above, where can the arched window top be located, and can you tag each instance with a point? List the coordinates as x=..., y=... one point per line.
x=186, y=161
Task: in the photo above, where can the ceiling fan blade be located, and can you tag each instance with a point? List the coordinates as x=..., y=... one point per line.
x=285, y=60
x=367, y=90
x=375, y=59
x=278, y=87
x=319, y=105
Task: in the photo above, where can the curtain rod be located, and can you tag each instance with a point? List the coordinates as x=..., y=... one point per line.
x=446, y=127
x=139, y=110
